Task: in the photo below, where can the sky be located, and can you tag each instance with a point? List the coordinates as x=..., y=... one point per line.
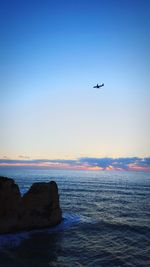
x=52, y=53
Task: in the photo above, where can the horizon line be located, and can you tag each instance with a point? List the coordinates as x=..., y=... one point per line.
x=82, y=163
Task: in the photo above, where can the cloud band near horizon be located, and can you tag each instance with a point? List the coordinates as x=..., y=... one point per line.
x=84, y=163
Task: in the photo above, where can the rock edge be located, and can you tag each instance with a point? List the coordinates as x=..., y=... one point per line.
x=37, y=208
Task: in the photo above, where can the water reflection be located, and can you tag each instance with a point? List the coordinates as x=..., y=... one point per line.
x=41, y=249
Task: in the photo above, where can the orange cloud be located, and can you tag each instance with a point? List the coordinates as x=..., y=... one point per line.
x=135, y=167
x=91, y=164
x=94, y=168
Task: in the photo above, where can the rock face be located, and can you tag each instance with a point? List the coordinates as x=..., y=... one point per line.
x=10, y=200
x=38, y=208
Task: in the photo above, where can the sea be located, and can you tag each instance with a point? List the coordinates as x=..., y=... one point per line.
x=106, y=221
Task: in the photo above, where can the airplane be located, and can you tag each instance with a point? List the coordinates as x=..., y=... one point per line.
x=98, y=86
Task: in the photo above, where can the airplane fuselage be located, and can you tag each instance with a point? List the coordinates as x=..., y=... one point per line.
x=98, y=86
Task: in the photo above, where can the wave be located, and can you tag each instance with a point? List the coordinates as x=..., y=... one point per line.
x=125, y=227
x=68, y=220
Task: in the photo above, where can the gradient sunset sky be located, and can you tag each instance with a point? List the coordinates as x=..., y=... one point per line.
x=52, y=53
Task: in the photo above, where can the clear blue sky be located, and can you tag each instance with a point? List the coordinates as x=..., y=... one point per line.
x=51, y=55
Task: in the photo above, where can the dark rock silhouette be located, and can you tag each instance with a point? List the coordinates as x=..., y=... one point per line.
x=38, y=208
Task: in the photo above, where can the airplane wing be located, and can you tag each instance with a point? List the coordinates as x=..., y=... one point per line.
x=98, y=86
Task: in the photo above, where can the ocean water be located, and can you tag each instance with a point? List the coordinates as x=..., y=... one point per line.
x=106, y=221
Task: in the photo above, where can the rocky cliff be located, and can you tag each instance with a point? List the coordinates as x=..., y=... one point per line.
x=38, y=208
